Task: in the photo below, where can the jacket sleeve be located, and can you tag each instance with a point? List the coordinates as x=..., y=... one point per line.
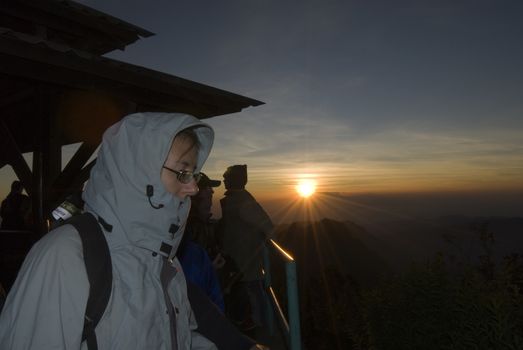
x=199, y=342
x=45, y=307
x=213, y=324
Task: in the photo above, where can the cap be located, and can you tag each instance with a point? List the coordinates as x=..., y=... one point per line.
x=206, y=182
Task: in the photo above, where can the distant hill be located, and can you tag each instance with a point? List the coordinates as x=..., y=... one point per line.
x=324, y=244
x=372, y=248
x=403, y=241
x=507, y=232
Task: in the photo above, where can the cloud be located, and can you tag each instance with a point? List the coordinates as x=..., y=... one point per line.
x=373, y=95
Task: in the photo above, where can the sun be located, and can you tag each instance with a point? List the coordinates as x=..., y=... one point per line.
x=306, y=188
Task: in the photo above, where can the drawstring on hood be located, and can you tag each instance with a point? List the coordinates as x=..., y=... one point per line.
x=126, y=180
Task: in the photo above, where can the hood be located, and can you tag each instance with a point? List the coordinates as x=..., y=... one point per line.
x=130, y=158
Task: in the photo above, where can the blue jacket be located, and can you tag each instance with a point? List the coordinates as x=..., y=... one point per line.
x=198, y=269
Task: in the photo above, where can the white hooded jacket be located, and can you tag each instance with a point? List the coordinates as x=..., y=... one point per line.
x=46, y=305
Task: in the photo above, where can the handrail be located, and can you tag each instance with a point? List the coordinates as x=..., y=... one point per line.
x=291, y=324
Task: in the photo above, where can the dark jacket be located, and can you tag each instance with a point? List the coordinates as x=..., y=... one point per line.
x=244, y=228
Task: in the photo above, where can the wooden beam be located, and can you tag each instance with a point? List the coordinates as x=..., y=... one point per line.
x=14, y=157
x=83, y=175
x=75, y=185
x=37, y=195
x=73, y=167
x=17, y=97
x=73, y=173
x=118, y=74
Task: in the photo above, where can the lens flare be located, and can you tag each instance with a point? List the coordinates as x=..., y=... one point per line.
x=306, y=188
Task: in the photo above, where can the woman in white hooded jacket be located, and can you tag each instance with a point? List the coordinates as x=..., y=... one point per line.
x=147, y=167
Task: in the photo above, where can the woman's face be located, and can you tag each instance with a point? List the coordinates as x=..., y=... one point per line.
x=182, y=156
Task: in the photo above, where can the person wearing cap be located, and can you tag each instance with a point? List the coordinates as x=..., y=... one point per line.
x=244, y=229
x=199, y=240
x=198, y=244
x=200, y=219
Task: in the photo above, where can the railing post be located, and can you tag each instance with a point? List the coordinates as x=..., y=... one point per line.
x=269, y=316
x=292, y=326
x=266, y=266
x=293, y=306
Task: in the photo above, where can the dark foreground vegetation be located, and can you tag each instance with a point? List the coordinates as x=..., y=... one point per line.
x=442, y=303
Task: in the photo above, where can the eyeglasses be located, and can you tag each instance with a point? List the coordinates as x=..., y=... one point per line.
x=185, y=176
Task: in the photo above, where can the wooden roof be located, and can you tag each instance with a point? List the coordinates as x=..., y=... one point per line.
x=31, y=64
x=69, y=23
x=57, y=89
x=28, y=64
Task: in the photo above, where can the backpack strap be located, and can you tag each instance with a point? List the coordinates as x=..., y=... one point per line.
x=99, y=273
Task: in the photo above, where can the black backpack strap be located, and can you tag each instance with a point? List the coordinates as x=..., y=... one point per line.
x=99, y=272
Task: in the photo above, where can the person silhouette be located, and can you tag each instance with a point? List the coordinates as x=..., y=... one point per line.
x=199, y=242
x=244, y=229
x=15, y=208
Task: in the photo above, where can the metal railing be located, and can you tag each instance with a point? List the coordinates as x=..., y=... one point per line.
x=291, y=323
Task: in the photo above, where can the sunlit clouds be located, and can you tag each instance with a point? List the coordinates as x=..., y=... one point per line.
x=369, y=97
x=387, y=161
x=407, y=98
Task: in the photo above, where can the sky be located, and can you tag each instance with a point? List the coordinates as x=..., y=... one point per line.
x=364, y=97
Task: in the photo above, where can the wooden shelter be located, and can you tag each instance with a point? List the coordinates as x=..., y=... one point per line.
x=56, y=89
